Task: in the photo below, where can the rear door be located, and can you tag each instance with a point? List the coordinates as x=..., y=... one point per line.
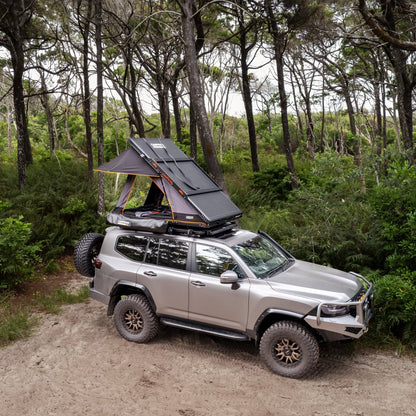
x=165, y=273
x=211, y=301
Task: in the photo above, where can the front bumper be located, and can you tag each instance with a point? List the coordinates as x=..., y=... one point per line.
x=352, y=325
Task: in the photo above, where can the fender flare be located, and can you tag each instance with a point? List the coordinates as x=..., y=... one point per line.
x=273, y=311
x=117, y=291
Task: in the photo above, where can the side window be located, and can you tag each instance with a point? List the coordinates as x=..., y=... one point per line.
x=214, y=261
x=173, y=253
x=168, y=253
x=152, y=251
x=133, y=247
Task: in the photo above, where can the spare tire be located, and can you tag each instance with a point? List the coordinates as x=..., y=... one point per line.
x=85, y=253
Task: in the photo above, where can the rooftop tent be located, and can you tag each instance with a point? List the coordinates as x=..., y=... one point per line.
x=194, y=198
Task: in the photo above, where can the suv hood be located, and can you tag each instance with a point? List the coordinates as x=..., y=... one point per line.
x=317, y=282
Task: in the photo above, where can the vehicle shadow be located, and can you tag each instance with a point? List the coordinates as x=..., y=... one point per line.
x=333, y=356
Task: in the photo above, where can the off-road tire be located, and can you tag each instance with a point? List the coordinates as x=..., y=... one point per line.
x=86, y=250
x=289, y=349
x=135, y=319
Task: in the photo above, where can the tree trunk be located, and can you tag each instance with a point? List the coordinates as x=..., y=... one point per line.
x=68, y=135
x=284, y=113
x=100, y=104
x=44, y=99
x=20, y=113
x=278, y=44
x=163, y=99
x=137, y=114
x=9, y=131
x=404, y=103
x=197, y=98
x=248, y=105
x=176, y=110
x=193, y=133
x=87, y=94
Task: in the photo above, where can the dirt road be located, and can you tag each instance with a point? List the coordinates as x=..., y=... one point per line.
x=77, y=364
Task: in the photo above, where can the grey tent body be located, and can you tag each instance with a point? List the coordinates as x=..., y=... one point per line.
x=195, y=200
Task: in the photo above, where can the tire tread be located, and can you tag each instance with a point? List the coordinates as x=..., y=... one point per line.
x=310, y=349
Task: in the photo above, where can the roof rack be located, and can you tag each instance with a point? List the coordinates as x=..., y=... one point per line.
x=219, y=231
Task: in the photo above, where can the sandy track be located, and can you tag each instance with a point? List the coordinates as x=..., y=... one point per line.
x=77, y=364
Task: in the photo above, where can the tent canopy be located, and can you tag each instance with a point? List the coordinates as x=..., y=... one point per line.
x=193, y=197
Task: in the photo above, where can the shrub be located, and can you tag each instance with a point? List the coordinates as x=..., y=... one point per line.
x=17, y=255
x=58, y=201
x=395, y=305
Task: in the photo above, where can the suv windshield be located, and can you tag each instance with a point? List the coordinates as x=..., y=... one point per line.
x=261, y=256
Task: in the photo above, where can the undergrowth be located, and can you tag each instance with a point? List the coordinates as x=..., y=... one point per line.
x=19, y=322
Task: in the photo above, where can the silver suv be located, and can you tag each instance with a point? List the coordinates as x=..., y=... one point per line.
x=240, y=285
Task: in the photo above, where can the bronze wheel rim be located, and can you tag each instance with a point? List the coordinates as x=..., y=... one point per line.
x=133, y=321
x=287, y=352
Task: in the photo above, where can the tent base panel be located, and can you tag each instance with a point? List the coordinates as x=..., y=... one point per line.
x=165, y=226
x=140, y=224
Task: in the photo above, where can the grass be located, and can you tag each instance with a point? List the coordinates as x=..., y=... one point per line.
x=52, y=303
x=18, y=319
x=15, y=326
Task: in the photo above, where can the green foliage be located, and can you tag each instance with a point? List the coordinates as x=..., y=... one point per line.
x=74, y=206
x=17, y=255
x=395, y=305
x=394, y=208
x=15, y=326
x=273, y=182
x=58, y=201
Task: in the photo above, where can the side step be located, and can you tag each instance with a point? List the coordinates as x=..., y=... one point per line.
x=211, y=330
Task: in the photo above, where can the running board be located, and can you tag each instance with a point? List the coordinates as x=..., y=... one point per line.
x=219, y=332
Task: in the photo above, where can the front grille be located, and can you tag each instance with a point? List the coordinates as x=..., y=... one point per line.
x=353, y=330
x=356, y=298
x=358, y=295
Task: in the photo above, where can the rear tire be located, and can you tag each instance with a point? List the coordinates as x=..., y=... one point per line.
x=135, y=319
x=289, y=349
x=85, y=253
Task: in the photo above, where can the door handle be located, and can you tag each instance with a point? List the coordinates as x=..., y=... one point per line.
x=197, y=283
x=150, y=273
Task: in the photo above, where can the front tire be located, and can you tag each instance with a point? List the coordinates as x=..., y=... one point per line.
x=135, y=319
x=289, y=349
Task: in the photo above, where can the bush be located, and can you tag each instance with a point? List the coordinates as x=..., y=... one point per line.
x=395, y=305
x=394, y=214
x=273, y=182
x=17, y=255
x=58, y=201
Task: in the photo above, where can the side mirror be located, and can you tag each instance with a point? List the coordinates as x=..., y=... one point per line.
x=229, y=276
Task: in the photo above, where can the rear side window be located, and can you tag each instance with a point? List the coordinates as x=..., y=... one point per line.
x=133, y=247
x=162, y=252
x=167, y=253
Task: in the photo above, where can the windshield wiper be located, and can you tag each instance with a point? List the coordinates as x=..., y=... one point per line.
x=281, y=267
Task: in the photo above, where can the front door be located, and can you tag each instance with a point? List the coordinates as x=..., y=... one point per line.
x=211, y=301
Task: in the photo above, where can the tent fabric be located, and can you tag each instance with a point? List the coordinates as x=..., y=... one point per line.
x=178, y=204
x=128, y=162
x=125, y=193
x=193, y=196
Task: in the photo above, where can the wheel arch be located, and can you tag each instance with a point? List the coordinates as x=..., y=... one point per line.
x=125, y=288
x=271, y=316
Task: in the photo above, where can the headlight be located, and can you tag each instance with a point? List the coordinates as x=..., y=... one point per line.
x=334, y=310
